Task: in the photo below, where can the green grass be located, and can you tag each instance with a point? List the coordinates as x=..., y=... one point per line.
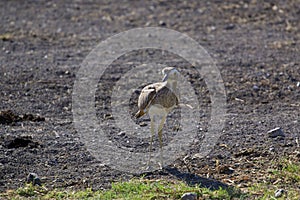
x=283, y=174
x=135, y=189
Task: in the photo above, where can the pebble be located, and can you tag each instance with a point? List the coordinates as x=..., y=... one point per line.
x=34, y=179
x=279, y=193
x=162, y=23
x=271, y=149
x=225, y=169
x=189, y=196
x=229, y=27
x=142, y=124
x=122, y=133
x=255, y=88
x=276, y=132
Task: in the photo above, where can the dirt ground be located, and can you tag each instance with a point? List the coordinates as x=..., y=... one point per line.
x=256, y=45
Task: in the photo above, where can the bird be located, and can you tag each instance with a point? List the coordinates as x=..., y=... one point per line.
x=157, y=100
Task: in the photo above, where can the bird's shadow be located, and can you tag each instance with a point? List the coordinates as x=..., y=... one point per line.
x=191, y=179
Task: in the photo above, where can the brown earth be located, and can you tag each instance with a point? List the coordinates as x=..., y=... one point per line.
x=256, y=46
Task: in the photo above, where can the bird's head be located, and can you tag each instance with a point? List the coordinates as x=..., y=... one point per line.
x=170, y=73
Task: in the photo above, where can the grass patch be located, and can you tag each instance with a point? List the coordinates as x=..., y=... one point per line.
x=284, y=174
x=135, y=189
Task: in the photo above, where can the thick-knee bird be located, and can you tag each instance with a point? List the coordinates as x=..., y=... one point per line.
x=158, y=99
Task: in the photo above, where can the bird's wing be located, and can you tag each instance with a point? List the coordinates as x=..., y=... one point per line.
x=147, y=95
x=165, y=97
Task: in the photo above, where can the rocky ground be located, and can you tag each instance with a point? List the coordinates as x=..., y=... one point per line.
x=254, y=43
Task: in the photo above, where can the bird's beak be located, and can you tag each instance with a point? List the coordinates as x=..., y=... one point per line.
x=165, y=78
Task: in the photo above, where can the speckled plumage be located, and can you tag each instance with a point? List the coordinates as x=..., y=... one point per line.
x=158, y=99
x=158, y=94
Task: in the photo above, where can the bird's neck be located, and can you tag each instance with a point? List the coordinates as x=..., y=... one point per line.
x=172, y=84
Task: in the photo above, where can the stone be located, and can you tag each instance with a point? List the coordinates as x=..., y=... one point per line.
x=122, y=133
x=34, y=179
x=276, y=132
x=279, y=193
x=142, y=124
x=189, y=196
x=162, y=23
x=255, y=88
x=229, y=27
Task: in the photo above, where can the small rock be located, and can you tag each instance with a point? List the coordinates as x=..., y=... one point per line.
x=271, y=149
x=122, y=133
x=274, y=8
x=279, y=193
x=108, y=116
x=224, y=169
x=189, y=196
x=211, y=28
x=298, y=84
x=197, y=156
x=162, y=23
x=142, y=124
x=34, y=179
x=229, y=27
x=276, y=132
x=255, y=88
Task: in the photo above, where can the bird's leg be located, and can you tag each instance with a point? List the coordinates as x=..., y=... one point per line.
x=151, y=140
x=160, y=127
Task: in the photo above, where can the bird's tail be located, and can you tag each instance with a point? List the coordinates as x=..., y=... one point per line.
x=139, y=114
